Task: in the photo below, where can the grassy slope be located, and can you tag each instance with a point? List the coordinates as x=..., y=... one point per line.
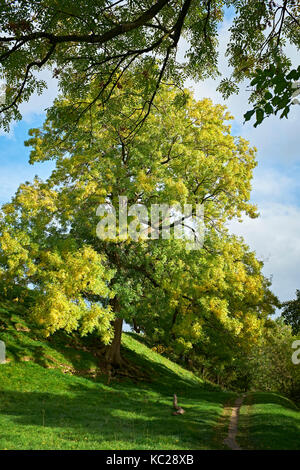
x=53, y=396
x=269, y=421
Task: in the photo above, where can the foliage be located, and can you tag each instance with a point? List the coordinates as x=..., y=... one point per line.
x=112, y=37
x=291, y=313
x=254, y=362
x=183, y=154
x=271, y=365
x=282, y=84
x=220, y=316
x=62, y=272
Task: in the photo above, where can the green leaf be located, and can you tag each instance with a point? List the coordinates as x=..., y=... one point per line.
x=268, y=95
x=259, y=116
x=248, y=115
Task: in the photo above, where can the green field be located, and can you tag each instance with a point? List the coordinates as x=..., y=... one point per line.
x=54, y=395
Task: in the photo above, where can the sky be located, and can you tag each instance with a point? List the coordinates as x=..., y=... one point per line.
x=276, y=183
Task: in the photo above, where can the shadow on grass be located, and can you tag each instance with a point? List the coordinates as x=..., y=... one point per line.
x=105, y=416
x=25, y=342
x=69, y=350
x=163, y=378
x=274, y=431
x=270, y=422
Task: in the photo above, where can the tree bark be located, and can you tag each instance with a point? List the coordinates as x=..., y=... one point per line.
x=113, y=351
x=136, y=327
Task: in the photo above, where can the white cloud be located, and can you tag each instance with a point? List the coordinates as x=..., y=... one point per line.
x=38, y=103
x=271, y=185
x=276, y=139
x=275, y=238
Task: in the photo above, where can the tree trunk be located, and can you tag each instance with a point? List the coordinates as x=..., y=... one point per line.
x=173, y=323
x=113, y=352
x=135, y=326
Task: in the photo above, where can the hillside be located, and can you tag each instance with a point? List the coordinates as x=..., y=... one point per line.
x=54, y=395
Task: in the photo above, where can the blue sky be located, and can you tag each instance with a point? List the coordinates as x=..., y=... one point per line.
x=276, y=184
x=14, y=166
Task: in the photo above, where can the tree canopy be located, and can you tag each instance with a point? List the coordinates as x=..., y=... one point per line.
x=84, y=41
x=270, y=363
x=183, y=153
x=291, y=313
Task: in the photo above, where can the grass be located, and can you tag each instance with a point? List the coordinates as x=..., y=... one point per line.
x=54, y=396
x=269, y=421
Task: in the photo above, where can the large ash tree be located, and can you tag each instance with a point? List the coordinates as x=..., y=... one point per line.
x=184, y=153
x=86, y=40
